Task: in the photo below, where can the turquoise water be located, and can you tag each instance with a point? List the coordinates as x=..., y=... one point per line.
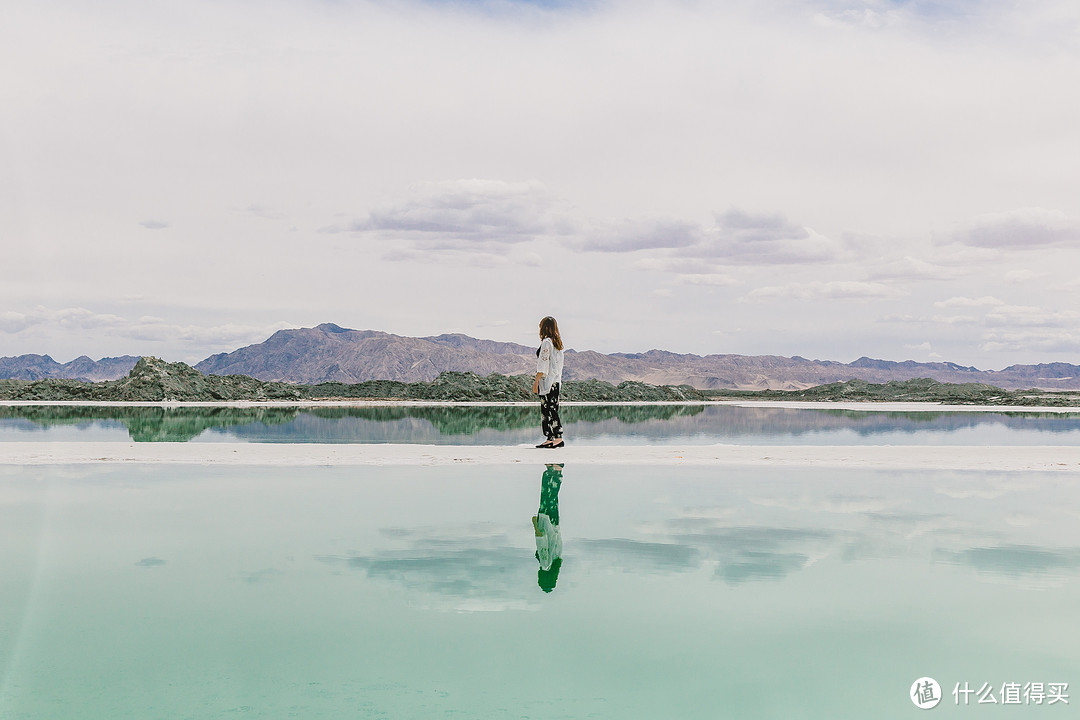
x=595, y=425
x=411, y=592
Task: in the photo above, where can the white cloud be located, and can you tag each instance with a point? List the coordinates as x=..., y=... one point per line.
x=448, y=215
x=1021, y=276
x=1004, y=327
x=668, y=264
x=487, y=217
x=633, y=235
x=834, y=290
x=1040, y=339
x=882, y=120
x=908, y=318
x=955, y=319
x=14, y=322
x=965, y=259
x=761, y=239
x=736, y=238
x=1031, y=316
x=1002, y=21
x=711, y=279
x=913, y=268
x=997, y=313
x=83, y=319
x=966, y=302
x=259, y=211
x=1024, y=228
x=72, y=318
x=482, y=256
x=151, y=328
x=493, y=323
x=925, y=347
x=688, y=271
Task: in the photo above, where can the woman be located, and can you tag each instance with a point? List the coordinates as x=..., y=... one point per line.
x=549, y=362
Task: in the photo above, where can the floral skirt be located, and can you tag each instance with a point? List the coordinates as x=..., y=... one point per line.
x=549, y=414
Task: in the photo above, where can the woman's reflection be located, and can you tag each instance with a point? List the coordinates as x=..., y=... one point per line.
x=546, y=528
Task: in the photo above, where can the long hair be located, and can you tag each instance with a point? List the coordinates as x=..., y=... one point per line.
x=550, y=329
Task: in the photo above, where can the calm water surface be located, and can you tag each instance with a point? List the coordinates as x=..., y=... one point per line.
x=410, y=592
x=594, y=425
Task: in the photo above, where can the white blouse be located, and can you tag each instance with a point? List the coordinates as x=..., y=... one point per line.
x=549, y=362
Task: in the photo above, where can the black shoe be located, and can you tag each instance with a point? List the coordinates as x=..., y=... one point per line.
x=545, y=444
x=558, y=443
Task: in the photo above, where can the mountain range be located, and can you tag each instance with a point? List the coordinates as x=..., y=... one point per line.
x=330, y=353
x=43, y=367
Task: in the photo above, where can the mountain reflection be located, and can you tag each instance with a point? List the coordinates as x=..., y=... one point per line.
x=406, y=424
x=149, y=424
x=506, y=425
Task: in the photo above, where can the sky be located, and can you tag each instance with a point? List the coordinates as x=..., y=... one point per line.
x=823, y=178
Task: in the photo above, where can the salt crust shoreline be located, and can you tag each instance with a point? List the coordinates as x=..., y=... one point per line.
x=884, y=457
x=892, y=407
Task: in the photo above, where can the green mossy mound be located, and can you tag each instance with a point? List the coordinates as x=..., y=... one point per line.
x=914, y=390
x=154, y=380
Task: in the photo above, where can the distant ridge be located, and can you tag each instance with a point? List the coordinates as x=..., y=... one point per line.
x=331, y=353
x=43, y=367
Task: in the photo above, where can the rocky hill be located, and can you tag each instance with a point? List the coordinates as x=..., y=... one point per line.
x=329, y=353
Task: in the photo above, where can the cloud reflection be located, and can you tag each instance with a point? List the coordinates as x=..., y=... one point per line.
x=761, y=566
x=635, y=555
x=764, y=532
x=471, y=568
x=1017, y=560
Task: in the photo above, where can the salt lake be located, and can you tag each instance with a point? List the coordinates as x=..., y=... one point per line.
x=195, y=591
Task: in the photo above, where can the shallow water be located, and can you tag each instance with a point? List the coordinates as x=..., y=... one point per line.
x=594, y=425
x=191, y=592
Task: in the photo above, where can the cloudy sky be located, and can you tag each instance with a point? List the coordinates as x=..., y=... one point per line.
x=825, y=178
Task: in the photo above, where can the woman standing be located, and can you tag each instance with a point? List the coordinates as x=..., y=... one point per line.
x=549, y=362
